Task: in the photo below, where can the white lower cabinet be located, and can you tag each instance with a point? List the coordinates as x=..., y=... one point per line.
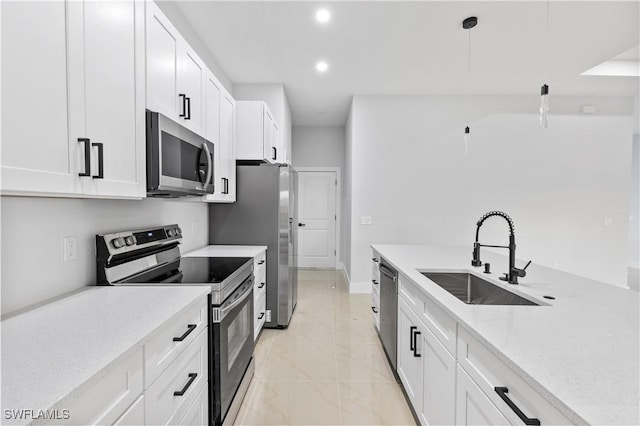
x=473, y=407
x=426, y=369
x=259, y=292
x=134, y=415
x=198, y=413
x=169, y=398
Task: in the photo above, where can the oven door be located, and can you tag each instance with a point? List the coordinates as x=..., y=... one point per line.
x=179, y=162
x=232, y=346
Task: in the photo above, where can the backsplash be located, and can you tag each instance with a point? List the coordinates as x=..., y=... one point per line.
x=33, y=229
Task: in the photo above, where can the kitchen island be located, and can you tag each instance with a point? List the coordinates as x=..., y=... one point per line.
x=578, y=351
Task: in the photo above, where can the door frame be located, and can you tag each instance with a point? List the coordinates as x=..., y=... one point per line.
x=335, y=170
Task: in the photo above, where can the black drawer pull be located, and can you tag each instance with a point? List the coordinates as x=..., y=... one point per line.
x=502, y=393
x=374, y=282
x=411, y=343
x=261, y=262
x=184, y=104
x=190, y=328
x=100, y=174
x=87, y=156
x=275, y=152
x=188, y=114
x=375, y=259
x=415, y=344
x=373, y=308
x=192, y=377
x=261, y=315
x=261, y=285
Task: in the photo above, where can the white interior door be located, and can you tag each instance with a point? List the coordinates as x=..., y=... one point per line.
x=316, y=219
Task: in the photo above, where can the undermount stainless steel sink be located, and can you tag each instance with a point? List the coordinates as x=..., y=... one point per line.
x=474, y=290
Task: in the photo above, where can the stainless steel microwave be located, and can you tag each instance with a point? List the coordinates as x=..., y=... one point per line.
x=179, y=162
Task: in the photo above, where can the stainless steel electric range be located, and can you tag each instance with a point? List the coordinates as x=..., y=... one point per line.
x=152, y=257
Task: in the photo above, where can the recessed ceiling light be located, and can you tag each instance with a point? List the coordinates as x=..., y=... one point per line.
x=323, y=15
x=322, y=66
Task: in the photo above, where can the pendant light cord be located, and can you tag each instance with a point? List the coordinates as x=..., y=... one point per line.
x=469, y=77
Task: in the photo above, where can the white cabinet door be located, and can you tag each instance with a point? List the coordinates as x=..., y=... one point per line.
x=162, y=63
x=267, y=146
x=106, y=75
x=439, y=381
x=36, y=159
x=276, y=146
x=191, y=89
x=472, y=405
x=228, y=146
x=409, y=365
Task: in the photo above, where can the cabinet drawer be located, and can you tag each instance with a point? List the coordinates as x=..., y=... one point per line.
x=162, y=349
x=489, y=372
x=198, y=414
x=375, y=309
x=162, y=405
x=134, y=415
x=441, y=325
x=259, y=315
x=106, y=400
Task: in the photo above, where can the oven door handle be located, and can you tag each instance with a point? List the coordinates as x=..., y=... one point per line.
x=224, y=311
x=205, y=147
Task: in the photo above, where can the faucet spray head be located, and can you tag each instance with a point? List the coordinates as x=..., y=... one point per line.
x=476, y=255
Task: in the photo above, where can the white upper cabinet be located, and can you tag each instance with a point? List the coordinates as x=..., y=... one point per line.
x=257, y=132
x=176, y=76
x=89, y=137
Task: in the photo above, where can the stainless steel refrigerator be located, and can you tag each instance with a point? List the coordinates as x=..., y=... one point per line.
x=263, y=214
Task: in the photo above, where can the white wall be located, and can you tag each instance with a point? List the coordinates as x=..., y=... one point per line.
x=318, y=146
x=275, y=97
x=410, y=173
x=180, y=22
x=33, y=229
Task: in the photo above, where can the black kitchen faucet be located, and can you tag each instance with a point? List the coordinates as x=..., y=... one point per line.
x=512, y=276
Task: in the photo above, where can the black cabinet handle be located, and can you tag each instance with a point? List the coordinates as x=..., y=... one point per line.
x=411, y=343
x=261, y=262
x=100, y=174
x=375, y=259
x=184, y=104
x=415, y=344
x=225, y=186
x=302, y=224
x=188, y=115
x=190, y=328
x=87, y=156
x=261, y=285
x=502, y=393
x=192, y=377
x=374, y=282
x=275, y=152
x=261, y=315
x=373, y=308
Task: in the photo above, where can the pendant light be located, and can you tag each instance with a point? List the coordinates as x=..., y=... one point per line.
x=467, y=24
x=544, y=90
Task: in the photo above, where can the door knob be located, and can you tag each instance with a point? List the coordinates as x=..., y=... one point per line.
x=302, y=224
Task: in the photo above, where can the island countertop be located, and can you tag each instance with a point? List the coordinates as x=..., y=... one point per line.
x=580, y=351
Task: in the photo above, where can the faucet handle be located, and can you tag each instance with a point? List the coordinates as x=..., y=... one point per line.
x=521, y=272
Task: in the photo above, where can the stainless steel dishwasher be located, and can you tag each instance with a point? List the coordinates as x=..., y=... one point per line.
x=389, y=311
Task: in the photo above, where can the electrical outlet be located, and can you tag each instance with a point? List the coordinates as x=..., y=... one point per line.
x=608, y=222
x=365, y=220
x=268, y=315
x=555, y=264
x=70, y=248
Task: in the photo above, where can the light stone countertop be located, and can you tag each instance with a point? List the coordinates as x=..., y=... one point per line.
x=581, y=352
x=56, y=350
x=227, y=251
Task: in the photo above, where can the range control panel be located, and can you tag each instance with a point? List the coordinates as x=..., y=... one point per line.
x=126, y=241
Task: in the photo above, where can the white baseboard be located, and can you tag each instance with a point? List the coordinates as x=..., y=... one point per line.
x=633, y=278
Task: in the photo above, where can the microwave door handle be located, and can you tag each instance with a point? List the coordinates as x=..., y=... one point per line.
x=205, y=147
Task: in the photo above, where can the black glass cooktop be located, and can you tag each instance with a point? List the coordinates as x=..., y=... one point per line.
x=203, y=270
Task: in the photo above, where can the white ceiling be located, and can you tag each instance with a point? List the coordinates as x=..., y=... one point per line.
x=412, y=48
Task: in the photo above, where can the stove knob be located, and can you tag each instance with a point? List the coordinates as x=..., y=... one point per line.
x=129, y=240
x=118, y=242
x=178, y=231
x=171, y=232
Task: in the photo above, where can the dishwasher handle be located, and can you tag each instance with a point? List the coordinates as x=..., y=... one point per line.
x=385, y=270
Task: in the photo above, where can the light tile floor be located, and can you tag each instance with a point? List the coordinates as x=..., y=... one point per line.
x=327, y=367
